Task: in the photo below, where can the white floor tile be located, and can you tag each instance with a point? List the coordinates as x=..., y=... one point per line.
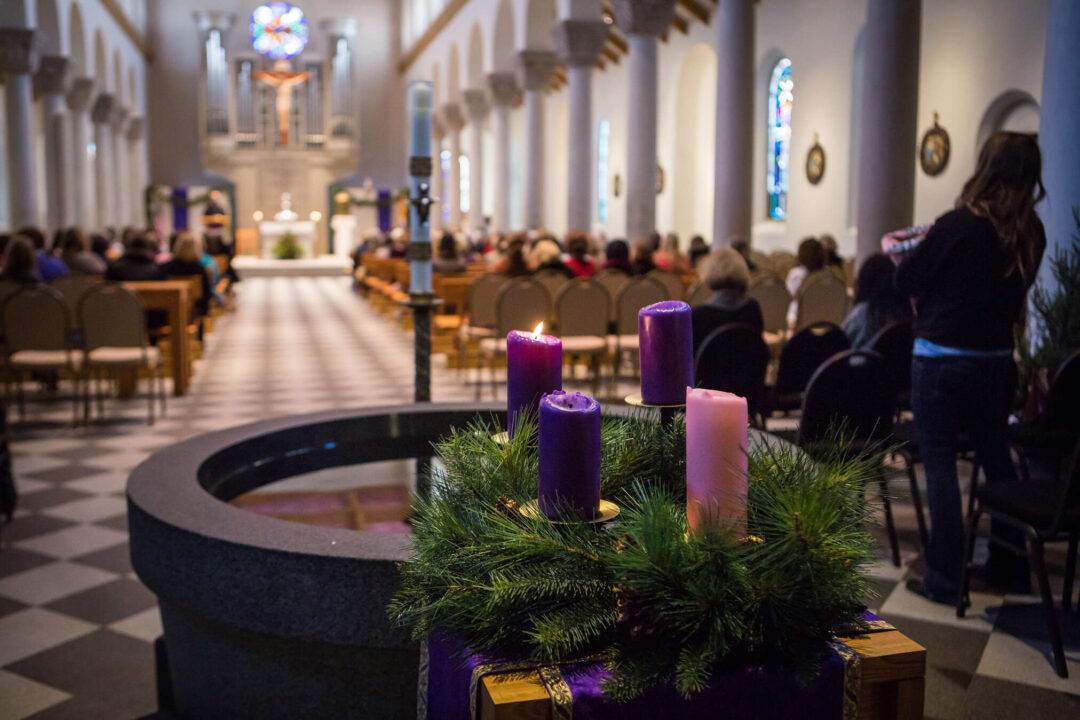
x=33, y=630
x=49, y=582
x=73, y=541
x=89, y=509
x=29, y=464
x=1029, y=662
x=980, y=616
x=23, y=697
x=107, y=483
x=27, y=486
x=144, y=626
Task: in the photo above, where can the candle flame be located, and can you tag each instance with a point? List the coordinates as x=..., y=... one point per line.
x=537, y=331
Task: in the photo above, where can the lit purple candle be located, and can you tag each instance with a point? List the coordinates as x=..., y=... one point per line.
x=666, y=341
x=533, y=367
x=569, y=454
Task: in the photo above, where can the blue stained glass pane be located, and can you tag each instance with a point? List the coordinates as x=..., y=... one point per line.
x=278, y=30
x=779, y=134
x=603, y=151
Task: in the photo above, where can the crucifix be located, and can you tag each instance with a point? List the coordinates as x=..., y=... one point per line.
x=282, y=77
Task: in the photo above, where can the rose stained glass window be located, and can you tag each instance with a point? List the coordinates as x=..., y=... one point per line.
x=279, y=30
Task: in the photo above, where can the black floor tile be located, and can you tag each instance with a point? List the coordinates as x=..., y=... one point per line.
x=78, y=708
x=83, y=452
x=32, y=525
x=993, y=699
x=15, y=560
x=65, y=473
x=50, y=498
x=115, y=559
x=106, y=603
x=116, y=523
x=8, y=606
x=947, y=647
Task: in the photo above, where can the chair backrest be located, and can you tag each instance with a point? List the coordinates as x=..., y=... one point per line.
x=112, y=316
x=699, y=294
x=482, y=294
x=761, y=260
x=671, y=282
x=805, y=352
x=611, y=279
x=822, y=297
x=1070, y=496
x=36, y=318
x=521, y=305
x=847, y=392
x=74, y=286
x=782, y=262
x=894, y=343
x=582, y=308
x=1061, y=412
x=773, y=298
x=7, y=288
x=733, y=358
x=552, y=280
x=634, y=295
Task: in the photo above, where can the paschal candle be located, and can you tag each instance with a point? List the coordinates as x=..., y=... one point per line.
x=533, y=367
x=716, y=442
x=666, y=342
x=569, y=455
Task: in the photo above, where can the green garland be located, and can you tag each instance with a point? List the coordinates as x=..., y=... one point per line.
x=362, y=202
x=657, y=604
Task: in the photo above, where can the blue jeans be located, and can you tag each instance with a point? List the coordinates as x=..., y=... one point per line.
x=948, y=394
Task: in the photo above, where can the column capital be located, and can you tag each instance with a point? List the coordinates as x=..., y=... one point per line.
x=18, y=51
x=119, y=118
x=503, y=88
x=52, y=74
x=79, y=92
x=135, y=128
x=102, y=111
x=340, y=27
x=580, y=42
x=644, y=17
x=535, y=68
x=476, y=104
x=208, y=20
x=452, y=117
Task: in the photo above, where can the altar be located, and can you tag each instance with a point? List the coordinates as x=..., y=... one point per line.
x=271, y=232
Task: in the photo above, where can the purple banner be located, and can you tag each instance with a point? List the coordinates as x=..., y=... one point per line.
x=386, y=209
x=179, y=208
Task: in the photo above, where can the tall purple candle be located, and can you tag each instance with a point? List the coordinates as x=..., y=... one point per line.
x=569, y=454
x=533, y=367
x=666, y=341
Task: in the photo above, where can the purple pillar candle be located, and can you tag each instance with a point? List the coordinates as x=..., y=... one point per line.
x=569, y=455
x=666, y=342
x=533, y=367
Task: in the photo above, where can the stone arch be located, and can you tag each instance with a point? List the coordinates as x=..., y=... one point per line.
x=502, y=38
x=1013, y=110
x=692, y=171
x=539, y=19
x=77, y=41
x=475, y=63
x=50, y=41
x=453, y=76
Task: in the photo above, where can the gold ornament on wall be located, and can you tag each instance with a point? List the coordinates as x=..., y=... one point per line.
x=659, y=178
x=815, y=162
x=616, y=185
x=934, y=149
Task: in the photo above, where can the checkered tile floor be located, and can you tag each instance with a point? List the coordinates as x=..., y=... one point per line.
x=76, y=625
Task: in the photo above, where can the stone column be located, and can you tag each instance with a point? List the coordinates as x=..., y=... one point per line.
x=476, y=104
x=52, y=80
x=535, y=68
x=438, y=132
x=888, y=121
x=644, y=21
x=18, y=59
x=504, y=93
x=1057, y=131
x=733, y=181
x=579, y=44
x=136, y=170
x=102, y=115
x=121, y=196
x=454, y=121
x=82, y=176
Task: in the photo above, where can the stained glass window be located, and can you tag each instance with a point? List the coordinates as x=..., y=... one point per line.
x=278, y=30
x=463, y=167
x=603, y=151
x=779, y=132
x=444, y=166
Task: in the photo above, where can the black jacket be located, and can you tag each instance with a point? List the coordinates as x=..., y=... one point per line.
x=724, y=308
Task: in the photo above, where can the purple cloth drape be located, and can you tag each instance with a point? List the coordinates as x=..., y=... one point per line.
x=179, y=209
x=385, y=211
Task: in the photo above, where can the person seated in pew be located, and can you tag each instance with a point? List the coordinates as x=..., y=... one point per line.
x=49, y=266
x=726, y=274
x=617, y=256
x=669, y=257
x=514, y=264
x=20, y=262
x=698, y=250
x=447, y=260
x=546, y=255
x=642, y=263
x=137, y=265
x=75, y=252
x=186, y=261
x=99, y=245
x=877, y=302
x=577, y=245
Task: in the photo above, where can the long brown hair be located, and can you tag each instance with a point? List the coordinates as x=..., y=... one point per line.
x=1005, y=188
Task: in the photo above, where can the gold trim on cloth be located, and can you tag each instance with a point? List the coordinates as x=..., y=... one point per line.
x=852, y=678
x=422, y=683
x=562, y=700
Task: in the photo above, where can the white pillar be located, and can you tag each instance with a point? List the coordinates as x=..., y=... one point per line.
x=504, y=93
x=102, y=114
x=51, y=80
x=734, y=170
x=535, y=68
x=82, y=176
x=644, y=21
x=888, y=121
x=1057, y=131
x=476, y=104
x=136, y=170
x=17, y=62
x=121, y=197
x=438, y=132
x=579, y=44
x=454, y=121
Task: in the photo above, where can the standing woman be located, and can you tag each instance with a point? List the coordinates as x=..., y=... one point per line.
x=969, y=278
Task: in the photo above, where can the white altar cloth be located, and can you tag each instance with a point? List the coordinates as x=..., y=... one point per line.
x=271, y=231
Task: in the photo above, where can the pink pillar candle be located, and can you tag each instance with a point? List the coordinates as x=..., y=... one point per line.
x=716, y=443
